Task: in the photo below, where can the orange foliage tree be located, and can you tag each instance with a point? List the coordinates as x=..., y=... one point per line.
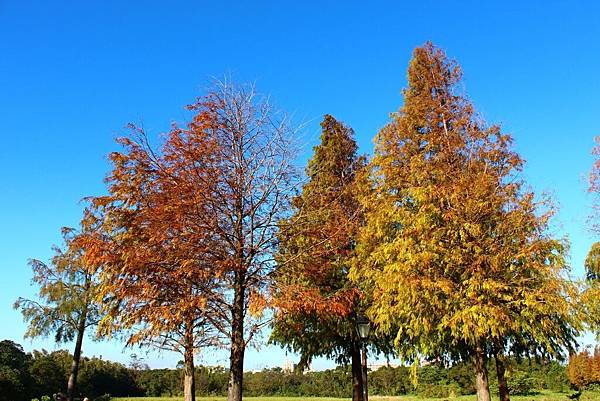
x=584, y=368
x=157, y=279
x=190, y=230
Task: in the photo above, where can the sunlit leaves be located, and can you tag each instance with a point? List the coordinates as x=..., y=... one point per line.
x=316, y=304
x=584, y=368
x=455, y=250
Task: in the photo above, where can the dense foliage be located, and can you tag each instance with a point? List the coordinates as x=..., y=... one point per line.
x=591, y=292
x=200, y=241
x=44, y=373
x=188, y=231
x=25, y=376
x=584, y=369
x=315, y=302
x=316, y=305
x=456, y=251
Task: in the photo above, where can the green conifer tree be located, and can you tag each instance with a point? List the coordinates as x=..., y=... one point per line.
x=316, y=304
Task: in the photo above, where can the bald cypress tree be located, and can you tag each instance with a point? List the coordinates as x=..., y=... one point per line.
x=316, y=304
x=591, y=293
x=455, y=252
x=67, y=306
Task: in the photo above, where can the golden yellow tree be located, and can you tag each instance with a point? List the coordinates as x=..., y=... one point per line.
x=591, y=293
x=455, y=252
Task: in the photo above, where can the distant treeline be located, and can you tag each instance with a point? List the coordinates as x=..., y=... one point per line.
x=24, y=376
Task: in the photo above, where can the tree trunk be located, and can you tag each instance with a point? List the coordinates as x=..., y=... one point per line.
x=236, y=359
x=76, y=355
x=189, y=380
x=501, y=373
x=481, y=375
x=357, y=383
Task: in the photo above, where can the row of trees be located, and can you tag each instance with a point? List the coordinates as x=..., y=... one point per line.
x=26, y=376
x=437, y=239
x=209, y=237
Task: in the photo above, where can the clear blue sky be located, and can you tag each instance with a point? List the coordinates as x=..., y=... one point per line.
x=72, y=74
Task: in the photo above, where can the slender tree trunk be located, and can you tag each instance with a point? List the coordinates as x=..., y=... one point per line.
x=236, y=359
x=76, y=355
x=501, y=373
x=357, y=380
x=189, y=380
x=481, y=375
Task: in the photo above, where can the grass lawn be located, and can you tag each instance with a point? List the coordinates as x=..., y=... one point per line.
x=544, y=396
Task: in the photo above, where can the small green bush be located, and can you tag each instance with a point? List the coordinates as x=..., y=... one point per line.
x=520, y=383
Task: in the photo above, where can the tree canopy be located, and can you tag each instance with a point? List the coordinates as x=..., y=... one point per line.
x=457, y=252
x=68, y=299
x=316, y=303
x=437, y=239
x=189, y=229
x=67, y=292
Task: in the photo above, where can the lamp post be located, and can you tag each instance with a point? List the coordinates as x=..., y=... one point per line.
x=363, y=327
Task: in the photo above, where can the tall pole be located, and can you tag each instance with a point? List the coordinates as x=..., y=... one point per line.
x=364, y=369
x=363, y=328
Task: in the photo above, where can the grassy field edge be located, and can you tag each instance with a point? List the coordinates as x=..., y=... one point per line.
x=542, y=396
